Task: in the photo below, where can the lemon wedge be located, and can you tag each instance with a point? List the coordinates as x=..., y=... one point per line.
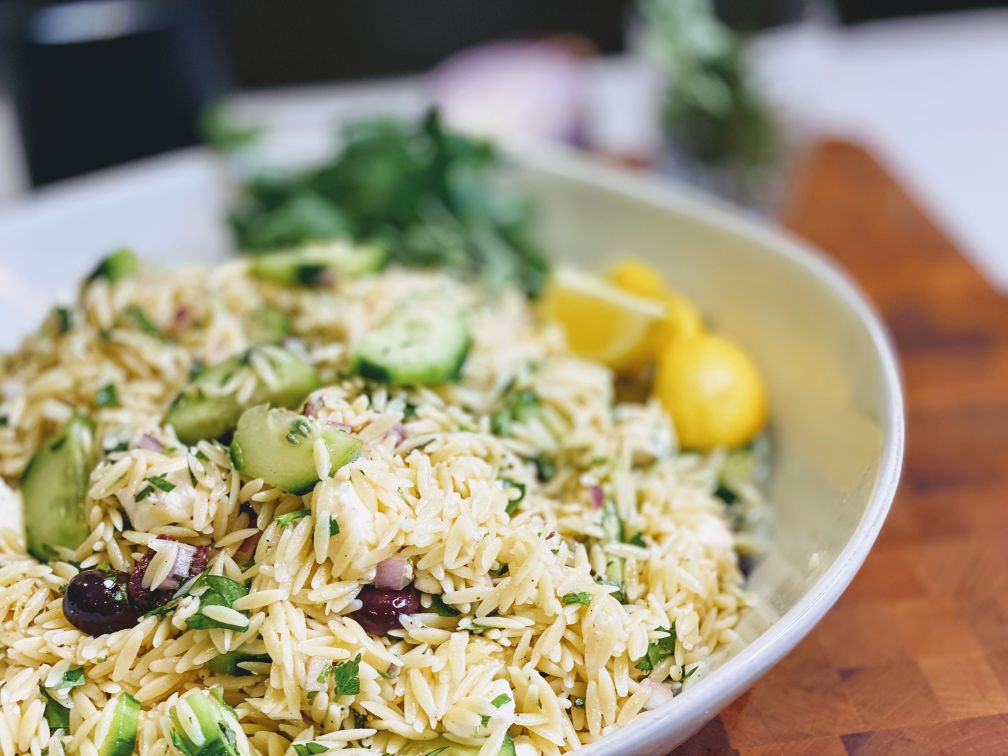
x=602, y=322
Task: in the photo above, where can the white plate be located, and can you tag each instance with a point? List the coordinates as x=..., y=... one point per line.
x=836, y=402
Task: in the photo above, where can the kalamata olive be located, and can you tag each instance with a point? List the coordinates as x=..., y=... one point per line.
x=381, y=608
x=97, y=602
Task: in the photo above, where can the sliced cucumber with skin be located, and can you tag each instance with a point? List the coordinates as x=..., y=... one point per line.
x=115, y=266
x=419, y=343
x=267, y=324
x=120, y=740
x=54, y=486
x=278, y=446
x=200, y=412
x=221, y=733
x=318, y=264
x=445, y=747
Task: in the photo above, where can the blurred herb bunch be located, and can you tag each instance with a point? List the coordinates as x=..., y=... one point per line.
x=712, y=111
x=430, y=197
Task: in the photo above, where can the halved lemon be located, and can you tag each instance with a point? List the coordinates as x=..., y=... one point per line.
x=602, y=322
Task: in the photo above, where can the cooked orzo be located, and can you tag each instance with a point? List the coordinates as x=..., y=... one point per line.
x=298, y=507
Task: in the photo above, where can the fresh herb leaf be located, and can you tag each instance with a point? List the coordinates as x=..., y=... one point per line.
x=514, y=407
x=311, y=695
x=308, y=749
x=106, y=396
x=688, y=674
x=144, y=493
x=285, y=520
x=512, y=505
x=333, y=526
x=324, y=673
x=64, y=319
x=638, y=540
x=500, y=571
x=484, y=720
x=222, y=591
x=57, y=716
x=583, y=598
x=443, y=609
x=345, y=679
x=500, y=700
x=144, y=323
x=658, y=651
x=545, y=468
x=359, y=720
x=725, y=494
x=160, y=481
x=71, y=679
x=619, y=594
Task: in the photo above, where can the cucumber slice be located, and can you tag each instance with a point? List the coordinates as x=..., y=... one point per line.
x=121, y=737
x=221, y=733
x=54, y=486
x=420, y=343
x=278, y=446
x=445, y=747
x=201, y=410
x=318, y=264
x=115, y=266
x=267, y=325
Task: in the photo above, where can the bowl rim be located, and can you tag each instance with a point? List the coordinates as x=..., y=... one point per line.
x=709, y=695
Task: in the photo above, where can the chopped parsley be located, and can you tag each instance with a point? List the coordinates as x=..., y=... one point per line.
x=221, y=591
x=514, y=407
x=333, y=526
x=57, y=716
x=583, y=598
x=484, y=720
x=512, y=505
x=345, y=677
x=307, y=749
x=500, y=700
x=619, y=594
x=500, y=571
x=144, y=323
x=359, y=720
x=725, y=494
x=285, y=520
x=161, y=482
x=64, y=319
x=545, y=468
x=71, y=679
x=443, y=609
x=687, y=675
x=658, y=651
x=106, y=396
x=638, y=540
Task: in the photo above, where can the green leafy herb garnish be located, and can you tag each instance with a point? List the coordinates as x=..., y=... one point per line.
x=221, y=591
x=106, y=396
x=484, y=720
x=345, y=679
x=159, y=481
x=500, y=700
x=64, y=319
x=71, y=679
x=638, y=540
x=688, y=674
x=144, y=323
x=583, y=598
x=658, y=651
x=514, y=407
x=443, y=609
x=308, y=749
x=57, y=716
x=285, y=520
x=512, y=505
x=333, y=526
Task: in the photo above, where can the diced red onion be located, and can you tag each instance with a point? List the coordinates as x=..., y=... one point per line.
x=180, y=569
x=315, y=666
x=658, y=694
x=391, y=574
x=247, y=548
x=150, y=443
x=598, y=496
x=183, y=316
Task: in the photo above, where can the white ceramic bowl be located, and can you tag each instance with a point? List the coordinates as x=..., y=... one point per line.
x=836, y=404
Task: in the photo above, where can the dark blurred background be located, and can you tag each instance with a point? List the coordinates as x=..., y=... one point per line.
x=100, y=82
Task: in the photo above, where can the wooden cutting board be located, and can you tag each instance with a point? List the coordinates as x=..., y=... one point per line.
x=914, y=657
